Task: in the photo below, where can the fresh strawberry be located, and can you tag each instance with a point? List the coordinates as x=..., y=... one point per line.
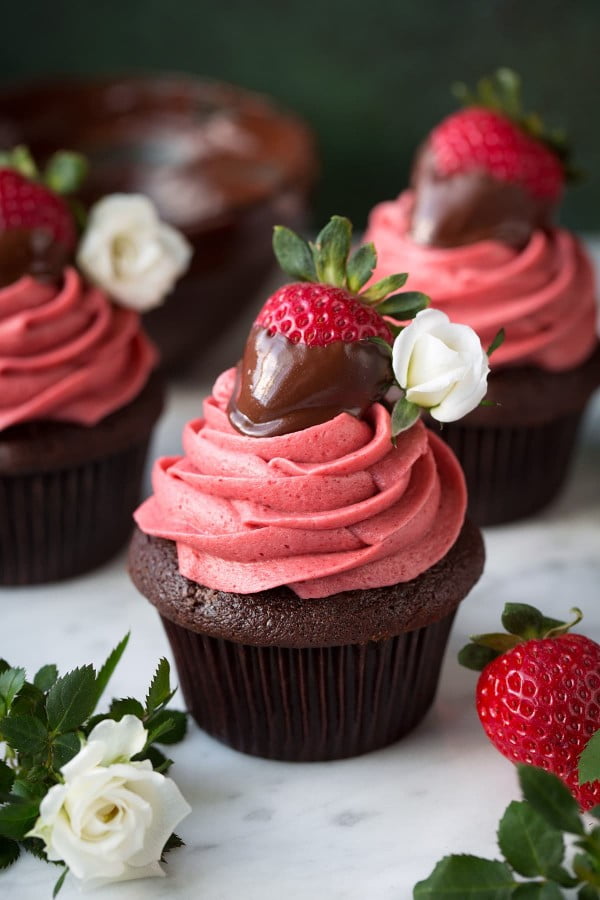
x=31, y=202
x=538, y=695
x=478, y=139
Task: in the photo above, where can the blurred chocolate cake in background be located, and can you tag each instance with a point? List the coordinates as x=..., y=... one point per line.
x=222, y=164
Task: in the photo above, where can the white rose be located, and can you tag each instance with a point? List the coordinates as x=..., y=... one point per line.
x=440, y=365
x=111, y=818
x=129, y=252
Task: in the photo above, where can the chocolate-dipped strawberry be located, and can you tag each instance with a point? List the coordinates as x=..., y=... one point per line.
x=38, y=232
x=489, y=171
x=317, y=348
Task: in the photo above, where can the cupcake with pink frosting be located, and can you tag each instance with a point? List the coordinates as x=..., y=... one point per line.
x=309, y=549
x=476, y=232
x=78, y=399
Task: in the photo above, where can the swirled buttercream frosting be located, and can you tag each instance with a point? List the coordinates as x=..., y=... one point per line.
x=543, y=295
x=330, y=508
x=67, y=353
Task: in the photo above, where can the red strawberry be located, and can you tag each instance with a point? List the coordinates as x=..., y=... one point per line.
x=489, y=171
x=25, y=204
x=539, y=701
x=319, y=314
x=478, y=139
x=321, y=336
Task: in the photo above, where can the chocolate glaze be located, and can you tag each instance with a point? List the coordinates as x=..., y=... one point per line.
x=283, y=387
x=34, y=252
x=450, y=211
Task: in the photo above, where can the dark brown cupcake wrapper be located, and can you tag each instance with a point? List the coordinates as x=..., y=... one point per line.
x=512, y=472
x=313, y=703
x=61, y=523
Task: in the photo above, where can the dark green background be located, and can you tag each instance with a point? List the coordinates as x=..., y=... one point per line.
x=371, y=76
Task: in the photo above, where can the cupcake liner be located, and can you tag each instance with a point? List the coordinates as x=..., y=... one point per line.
x=512, y=472
x=60, y=523
x=313, y=703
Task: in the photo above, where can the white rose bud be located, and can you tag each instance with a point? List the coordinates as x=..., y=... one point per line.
x=111, y=818
x=129, y=252
x=440, y=365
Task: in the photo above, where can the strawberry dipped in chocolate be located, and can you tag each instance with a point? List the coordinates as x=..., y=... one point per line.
x=38, y=231
x=489, y=171
x=320, y=346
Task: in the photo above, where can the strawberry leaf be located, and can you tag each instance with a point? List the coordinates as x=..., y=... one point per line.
x=381, y=289
x=331, y=249
x=589, y=761
x=65, y=172
x=551, y=798
x=467, y=878
x=360, y=267
x=404, y=306
x=523, y=620
x=293, y=254
x=528, y=843
x=476, y=656
x=500, y=641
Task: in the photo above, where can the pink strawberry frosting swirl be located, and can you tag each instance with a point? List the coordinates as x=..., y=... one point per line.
x=543, y=296
x=67, y=353
x=331, y=508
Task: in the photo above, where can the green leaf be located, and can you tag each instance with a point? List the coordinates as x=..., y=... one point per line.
x=25, y=734
x=360, y=267
x=587, y=892
x=528, y=843
x=538, y=890
x=22, y=160
x=160, y=762
x=3, y=664
x=64, y=748
x=551, y=798
x=60, y=882
x=475, y=657
x=159, y=691
x=11, y=682
x=30, y=702
x=71, y=699
x=381, y=289
x=467, y=878
x=595, y=812
x=523, y=620
x=177, y=722
x=404, y=415
x=501, y=642
x=7, y=777
x=589, y=761
x=9, y=852
x=65, y=172
x=45, y=678
x=404, y=306
x=293, y=254
x=173, y=843
x=126, y=706
x=18, y=817
x=382, y=344
x=497, y=342
x=331, y=249
x=107, y=669
x=560, y=875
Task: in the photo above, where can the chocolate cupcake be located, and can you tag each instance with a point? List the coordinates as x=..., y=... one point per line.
x=78, y=399
x=308, y=552
x=476, y=232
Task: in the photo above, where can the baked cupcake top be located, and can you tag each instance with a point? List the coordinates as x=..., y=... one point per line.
x=300, y=475
x=69, y=350
x=476, y=231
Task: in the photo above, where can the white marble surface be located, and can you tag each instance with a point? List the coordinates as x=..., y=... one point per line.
x=363, y=829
